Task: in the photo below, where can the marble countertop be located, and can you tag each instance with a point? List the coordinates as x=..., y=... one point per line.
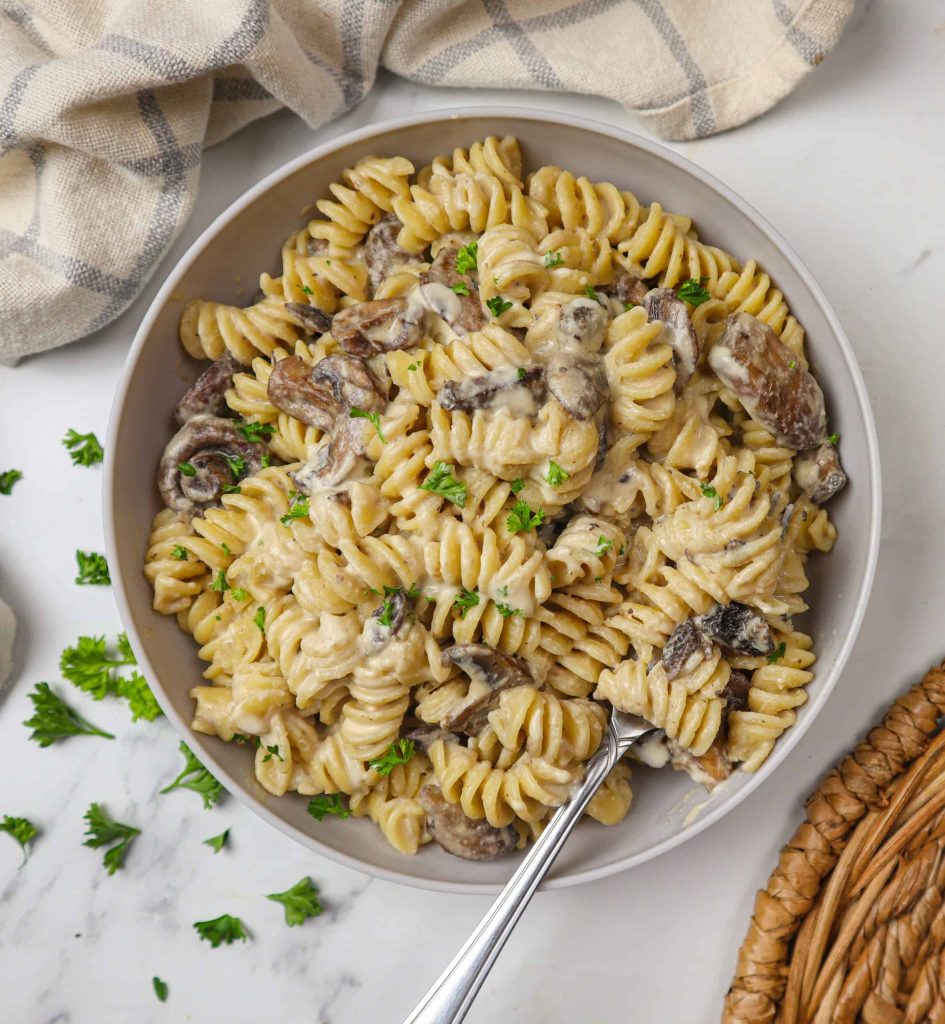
x=849, y=168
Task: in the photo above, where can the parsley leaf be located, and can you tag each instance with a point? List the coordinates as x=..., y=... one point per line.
x=83, y=449
x=238, y=594
x=399, y=752
x=441, y=481
x=88, y=665
x=506, y=610
x=465, y=600
x=260, y=619
x=221, y=930
x=520, y=373
x=216, y=843
x=522, y=517
x=604, y=544
x=300, y=902
x=778, y=653
x=375, y=418
x=54, y=720
x=141, y=701
x=553, y=259
x=710, y=492
x=467, y=258
x=255, y=433
x=461, y=288
x=834, y=439
x=325, y=804
x=237, y=465
x=693, y=292
x=187, y=468
x=195, y=777
x=627, y=306
x=160, y=988
x=590, y=291
x=219, y=583
x=412, y=366
x=307, y=290
x=298, y=508
x=180, y=553
x=20, y=829
x=93, y=569
x=556, y=476
x=386, y=618
x=271, y=752
x=103, y=830
x=497, y=305
x=231, y=489
x=518, y=484
x=8, y=478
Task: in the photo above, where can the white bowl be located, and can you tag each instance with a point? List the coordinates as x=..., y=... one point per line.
x=224, y=264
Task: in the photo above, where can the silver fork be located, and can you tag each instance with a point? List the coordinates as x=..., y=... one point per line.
x=452, y=994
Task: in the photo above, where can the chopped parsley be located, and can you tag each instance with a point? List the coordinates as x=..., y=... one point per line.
x=232, y=489
x=386, y=618
x=497, y=305
x=222, y=930
x=260, y=619
x=83, y=449
x=160, y=988
x=238, y=594
x=441, y=481
x=216, y=843
x=328, y=804
x=103, y=830
x=298, y=508
x=180, y=553
x=219, y=583
x=256, y=433
x=520, y=373
x=523, y=517
x=834, y=439
x=553, y=259
x=20, y=829
x=467, y=258
x=461, y=288
x=271, y=752
x=93, y=569
x=694, y=292
x=412, y=366
x=54, y=720
x=465, y=600
x=778, y=653
x=590, y=291
x=187, y=468
x=792, y=364
x=604, y=544
x=506, y=611
x=708, y=491
x=307, y=290
x=518, y=484
x=226, y=548
x=399, y=752
x=8, y=478
x=299, y=903
x=556, y=476
x=375, y=418
x=627, y=306
x=266, y=460
x=196, y=778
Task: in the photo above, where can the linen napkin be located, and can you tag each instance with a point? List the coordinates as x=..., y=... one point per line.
x=106, y=105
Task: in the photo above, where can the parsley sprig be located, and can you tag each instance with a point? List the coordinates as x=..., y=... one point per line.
x=328, y=804
x=83, y=449
x=553, y=259
x=694, y=292
x=497, y=305
x=778, y=653
x=196, y=778
x=507, y=611
x=399, y=752
x=54, y=720
x=20, y=829
x=708, y=491
x=222, y=930
x=461, y=288
x=92, y=668
x=375, y=419
x=465, y=600
x=8, y=478
x=467, y=258
x=103, y=830
x=523, y=517
x=299, y=903
x=441, y=481
x=604, y=544
x=254, y=432
x=518, y=484
x=93, y=569
x=298, y=508
x=556, y=476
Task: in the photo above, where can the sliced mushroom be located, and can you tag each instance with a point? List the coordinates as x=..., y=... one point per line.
x=519, y=390
x=735, y=692
x=626, y=288
x=426, y=735
x=708, y=769
x=351, y=381
x=582, y=323
x=483, y=664
x=312, y=319
x=384, y=623
x=203, y=445
x=381, y=253
x=207, y=395
x=818, y=473
x=379, y=325
x=577, y=379
x=292, y=390
x=664, y=304
x=686, y=648
x=469, y=838
x=463, y=312
x=751, y=360
x=329, y=464
x=738, y=627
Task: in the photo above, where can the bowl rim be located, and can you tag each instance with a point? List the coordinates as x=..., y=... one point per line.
x=825, y=684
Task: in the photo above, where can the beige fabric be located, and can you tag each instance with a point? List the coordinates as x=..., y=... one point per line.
x=106, y=105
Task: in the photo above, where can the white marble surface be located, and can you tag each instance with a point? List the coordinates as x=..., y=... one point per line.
x=850, y=168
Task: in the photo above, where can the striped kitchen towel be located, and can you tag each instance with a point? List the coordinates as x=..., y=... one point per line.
x=106, y=105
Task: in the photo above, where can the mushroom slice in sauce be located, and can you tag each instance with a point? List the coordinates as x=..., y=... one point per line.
x=207, y=395
x=582, y=323
x=384, y=622
x=664, y=304
x=738, y=627
x=709, y=768
x=205, y=443
x=577, y=379
x=312, y=319
x=463, y=313
x=818, y=473
x=379, y=325
x=351, y=382
x=626, y=288
x=426, y=735
x=735, y=692
x=686, y=648
x=498, y=670
x=292, y=390
x=381, y=253
x=469, y=838
x=517, y=390
x=751, y=360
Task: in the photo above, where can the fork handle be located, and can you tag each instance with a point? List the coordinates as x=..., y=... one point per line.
x=452, y=994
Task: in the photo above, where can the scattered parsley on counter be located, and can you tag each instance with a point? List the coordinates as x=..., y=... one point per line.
x=160, y=988
x=518, y=484
x=440, y=480
x=298, y=508
x=556, y=476
x=708, y=491
x=216, y=843
x=103, y=830
x=20, y=829
x=694, y=292
x=461, y=288
x=465, y=600
x=497, y=305
x=523, y=517
x=467, y=258
x=89, y=666
x=328, y=804
x=399, y=752
x=604, y=544
x=8, y=478
x=778, y=653
x=180, y=553
x=196, y=778
x=256, y=433
x=141, y=701
x=374, y=417
x=260, y=619
x=83, y=449
x=93, y=569
x=553, y=259
x=222, y=930
x=54, y=720
x=300, y=902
